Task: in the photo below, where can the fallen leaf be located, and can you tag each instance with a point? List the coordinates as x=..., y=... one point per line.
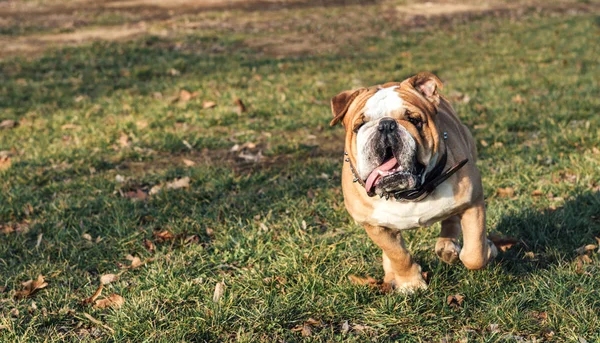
x=502, y=243
x=219, y=291
x=155, y=190
x=313, y=322
x=108, y=278
x=240, y=106
x=135, y=261
x=357, y=280
x=494, y=328
x=30, y=287
x=33, y=307
x=94, y=296
x=8, y=124
x=5, y=162
x=87, y=237
x=371, y=282
x=162, y=236
x=137, y=194
x=537, y=193
x=530, y=254
x=210, y=232
x=189, y=163
x=149, y=245
x=345, y=327
x=70, y=127
x=586, y=259
x=586, y=249
x=306, y=331
x=483, y=143
x=517, y=99
x=208, y=104
x=507, y=192
x=124, y=140
x=185, y=96
x=112, y=301
x=14, y=312
x=455, y=300
x=184, y=182
x=191, y=239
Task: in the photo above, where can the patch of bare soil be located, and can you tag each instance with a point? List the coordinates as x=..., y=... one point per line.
x=278, y=27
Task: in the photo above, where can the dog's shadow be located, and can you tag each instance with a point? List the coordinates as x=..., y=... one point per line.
x=550, y=236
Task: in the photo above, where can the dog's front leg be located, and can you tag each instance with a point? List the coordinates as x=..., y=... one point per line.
x=400, y=269
x=477, y=250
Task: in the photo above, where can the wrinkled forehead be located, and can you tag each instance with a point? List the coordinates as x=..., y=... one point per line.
x=384, y=102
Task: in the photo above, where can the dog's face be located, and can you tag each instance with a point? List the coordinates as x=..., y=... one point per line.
x=391, y=132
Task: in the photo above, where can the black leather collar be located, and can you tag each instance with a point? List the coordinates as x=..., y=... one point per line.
x=436, y=177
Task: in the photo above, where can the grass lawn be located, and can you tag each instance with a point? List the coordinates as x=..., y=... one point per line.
x=261, y=227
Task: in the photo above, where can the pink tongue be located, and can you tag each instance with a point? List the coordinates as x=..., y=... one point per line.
x=389, y=164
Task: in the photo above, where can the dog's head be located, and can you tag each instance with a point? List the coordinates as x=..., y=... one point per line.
x=392, y=134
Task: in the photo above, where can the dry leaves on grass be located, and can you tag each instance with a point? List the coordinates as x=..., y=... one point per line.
x=185, y=96
x=124, y=140
x=112, y=301
x=162, y=236
x=135, y=262
x=189, y=163
x=219, y=291
x=94, y=296
x=183, y=182
x=30, y=287
x=8, y=124
x=5, y=162
x=70, y=127
x=455, y=300
x=149, y=245
x=108, y=278
x=241, y=108
x=537, y=193
x=208, y=104
x=306, y=327
x=586, y=249
x=371, y=282
x=507, y=192
x=104, y=280
x=138, y=194
x=503, y=243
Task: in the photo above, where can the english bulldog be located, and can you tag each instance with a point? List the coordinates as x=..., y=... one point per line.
x=409, y=162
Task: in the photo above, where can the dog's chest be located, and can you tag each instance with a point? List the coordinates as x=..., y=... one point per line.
x=408, y=215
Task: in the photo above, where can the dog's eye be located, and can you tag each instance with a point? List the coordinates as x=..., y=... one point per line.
x=416, y=122
x=358, y=125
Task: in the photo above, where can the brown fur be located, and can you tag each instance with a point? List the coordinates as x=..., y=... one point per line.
x=421, y=98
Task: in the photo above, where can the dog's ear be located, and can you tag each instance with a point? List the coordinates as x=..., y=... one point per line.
x=340, y=104
x=429, y=85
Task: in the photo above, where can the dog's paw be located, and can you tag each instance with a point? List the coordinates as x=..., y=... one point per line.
x=409, y=284
x=447, y=250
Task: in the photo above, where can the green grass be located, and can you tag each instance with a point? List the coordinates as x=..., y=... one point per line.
x=283, y=243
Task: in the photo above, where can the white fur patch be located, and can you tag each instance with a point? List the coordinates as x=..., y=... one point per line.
x=409, y=215
x=382, y=103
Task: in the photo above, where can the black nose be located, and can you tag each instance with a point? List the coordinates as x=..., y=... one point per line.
x=387, y=126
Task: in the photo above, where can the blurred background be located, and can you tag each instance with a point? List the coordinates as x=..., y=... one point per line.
x=167, y=172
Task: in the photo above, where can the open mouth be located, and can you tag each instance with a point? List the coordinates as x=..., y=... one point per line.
x=389, y=167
